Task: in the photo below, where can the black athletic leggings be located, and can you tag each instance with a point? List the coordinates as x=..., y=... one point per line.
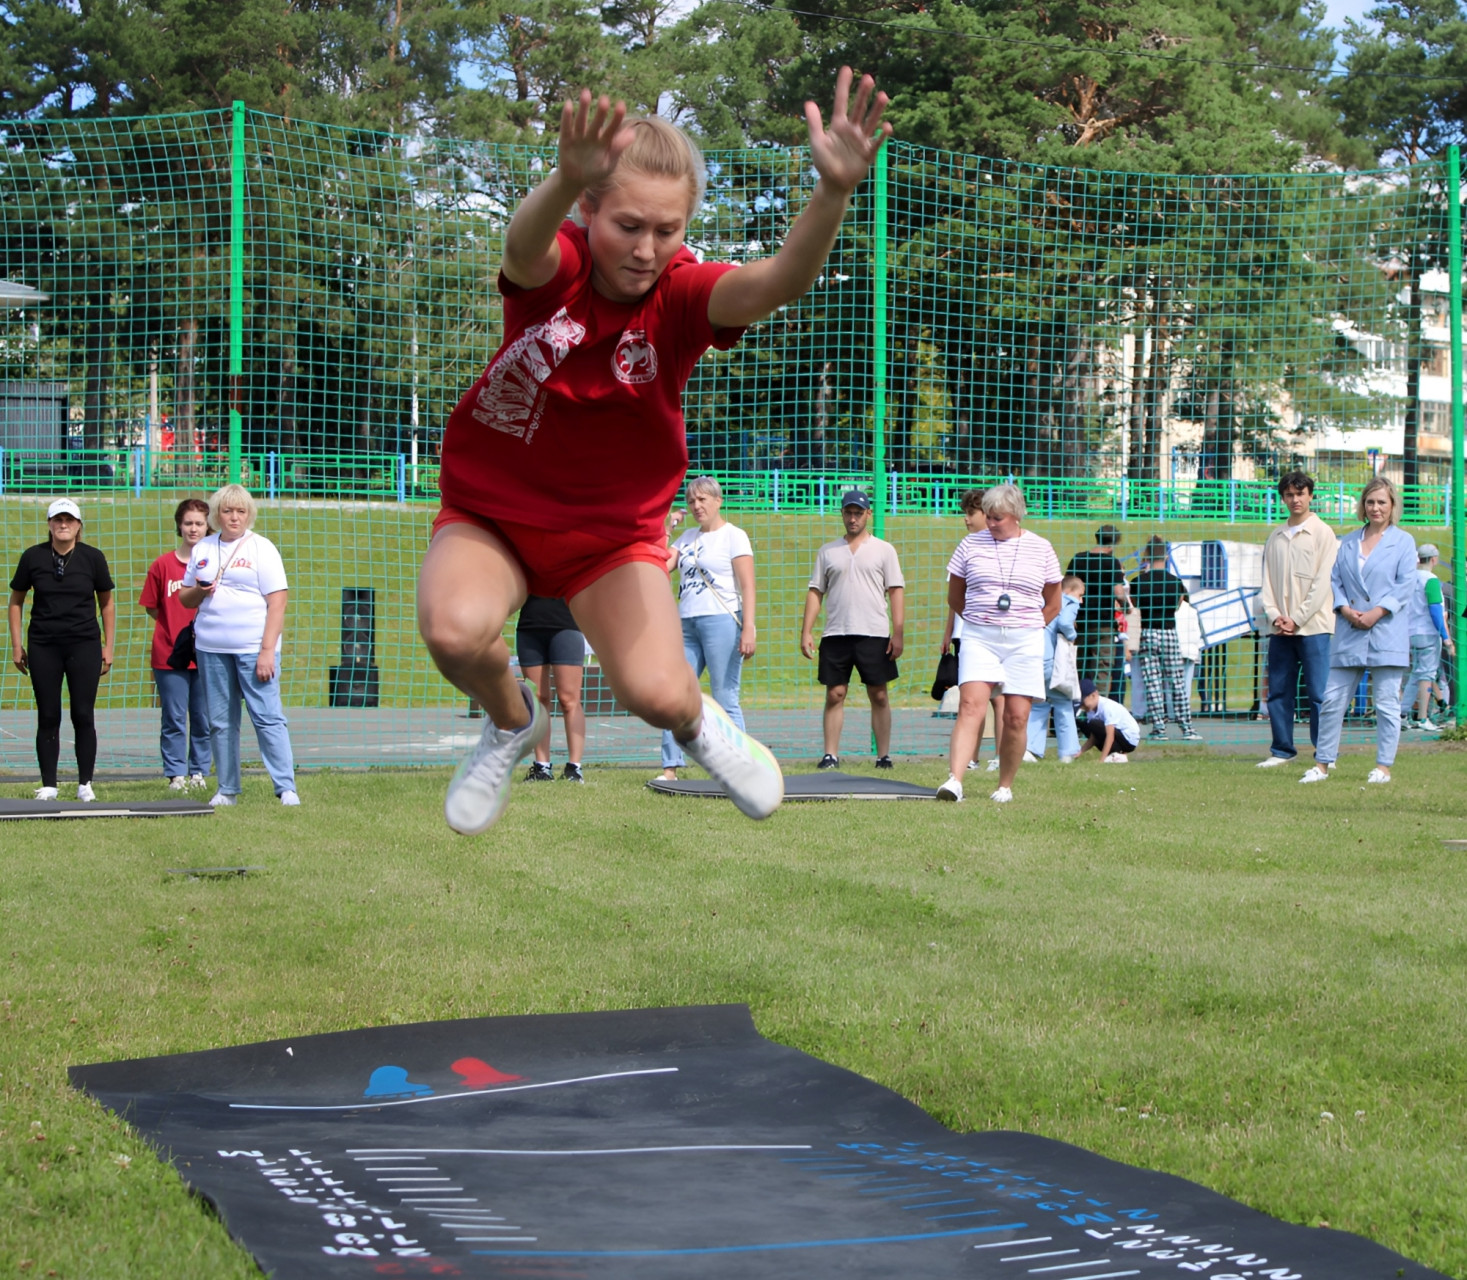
x=80, y=662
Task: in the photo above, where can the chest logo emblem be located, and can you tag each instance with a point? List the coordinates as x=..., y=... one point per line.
x=635, y=359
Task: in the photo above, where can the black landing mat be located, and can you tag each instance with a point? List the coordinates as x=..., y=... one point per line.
x=828, y=784
x=659, y=1144
x=18, y=809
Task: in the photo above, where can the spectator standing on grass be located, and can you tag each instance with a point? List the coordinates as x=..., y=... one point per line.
x=1297, y=601
x=72, y=583
x=1105, y=591
x=236, y=580
x=1430, y=637
x=546, y=640
x=715, y=603
x=1060, y=705
x=1372, y=583
x=183, y=740
x=1005, y=581
x=1157, y=595
x=854, y=578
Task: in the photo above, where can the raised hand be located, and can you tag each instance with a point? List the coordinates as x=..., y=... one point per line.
x=591, y=139
x=844, y=153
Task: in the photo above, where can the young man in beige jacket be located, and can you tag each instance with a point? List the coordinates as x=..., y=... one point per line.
x=1299, y=604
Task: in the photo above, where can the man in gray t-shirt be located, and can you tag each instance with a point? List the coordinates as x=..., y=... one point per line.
x=854, y=577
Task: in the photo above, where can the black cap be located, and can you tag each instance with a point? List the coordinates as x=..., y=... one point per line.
x=855, y=498
x=1087, y=687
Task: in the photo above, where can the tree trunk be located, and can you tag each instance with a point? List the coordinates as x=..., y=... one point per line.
x=1073, y=453
x=186, y=394
x=1136, y=463
x=1410, y=441
x=99, y=378
x=1156, y=389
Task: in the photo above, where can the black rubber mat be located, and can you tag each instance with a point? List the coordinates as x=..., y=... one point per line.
x=19, y=809
x=658, y=1144
x=828, y=784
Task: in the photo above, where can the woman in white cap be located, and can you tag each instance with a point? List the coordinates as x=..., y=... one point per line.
x=72, y=582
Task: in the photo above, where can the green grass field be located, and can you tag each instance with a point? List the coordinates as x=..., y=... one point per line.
x=1182, y=964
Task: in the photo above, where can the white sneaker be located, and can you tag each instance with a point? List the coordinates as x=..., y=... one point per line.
x=84, y=792
x=745, y=767
x=197, y=780
x=973, y=764
x=993, y=765
x=1378, y=776
x=952, y=790
x=47, y=793
x=480, y=788
x=221, y=801
x=289, y=798
x=1002, y=796
x=1117, y=757
x=1068, y=759
x=179, y=783
x=1030, y=758
x=1317, y=773
x=1273, y=762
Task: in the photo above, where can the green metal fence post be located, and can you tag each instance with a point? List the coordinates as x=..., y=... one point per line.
x=236, y=290
x=878, y=351
x=1459, y=517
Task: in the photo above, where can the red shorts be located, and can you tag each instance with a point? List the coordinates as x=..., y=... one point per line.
x=561, y=563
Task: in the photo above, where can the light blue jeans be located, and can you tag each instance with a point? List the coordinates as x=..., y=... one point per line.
x=1066, y=736
x=1386, y=682
x=711, y=643
x=228, y=678
x=185, y=731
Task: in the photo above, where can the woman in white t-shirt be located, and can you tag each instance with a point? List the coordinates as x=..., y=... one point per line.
x=236, y=580
x=715, y=568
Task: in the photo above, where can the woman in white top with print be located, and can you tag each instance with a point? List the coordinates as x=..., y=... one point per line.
x=715, y=568
x=1006, y=585
x=236, y=580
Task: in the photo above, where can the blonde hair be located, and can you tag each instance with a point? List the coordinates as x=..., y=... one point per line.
x=704, y=484
x=659, y=150
x=232, y=495
x=1004, y=500
x=1374, y=486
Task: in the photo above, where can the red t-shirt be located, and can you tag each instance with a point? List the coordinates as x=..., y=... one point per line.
x=577, y=423
x=160, y=591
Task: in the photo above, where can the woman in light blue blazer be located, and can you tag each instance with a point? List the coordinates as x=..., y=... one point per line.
x=1373, y=578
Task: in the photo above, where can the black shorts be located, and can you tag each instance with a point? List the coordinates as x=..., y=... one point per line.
x=838, y=654
x=538, y=648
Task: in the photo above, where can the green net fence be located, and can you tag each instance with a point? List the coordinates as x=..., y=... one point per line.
x=231, y=295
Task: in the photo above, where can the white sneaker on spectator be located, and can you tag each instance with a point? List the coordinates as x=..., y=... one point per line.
x=973, y=764
x=951, y=790
x=1030, y=758
x=1002, y=796
x=1068, y=759
x=47, y=793
x=179, y=783
x=1316, y=773
x=993, y=765
x=746, y=767
x=1273, y=762
x=1378, y=776
x=289, y=798
x=197, y=780
x=479, y=789
x=1117, y=757
x=84, y=792
x=221, y=801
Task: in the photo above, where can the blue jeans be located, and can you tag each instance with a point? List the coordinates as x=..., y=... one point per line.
x=711, y=643
x=1338, y=692
x=228, y=678
x=185, y=721
x=1286, y=655
x=1066, y=736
